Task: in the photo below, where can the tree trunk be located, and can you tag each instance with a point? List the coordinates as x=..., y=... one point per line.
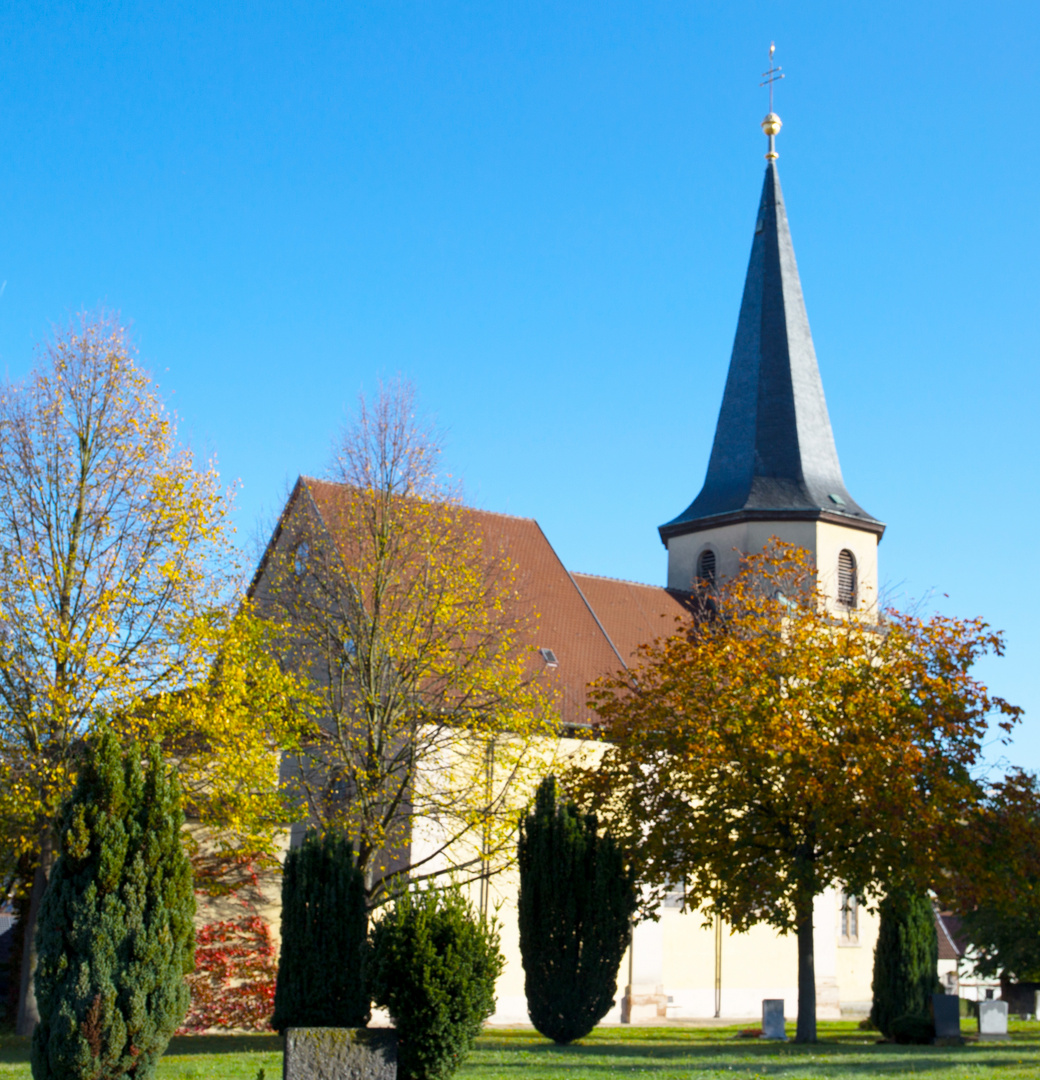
x=806, y=1029
x=28, y=1013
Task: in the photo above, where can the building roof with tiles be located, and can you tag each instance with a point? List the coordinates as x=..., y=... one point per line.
x=589, y=626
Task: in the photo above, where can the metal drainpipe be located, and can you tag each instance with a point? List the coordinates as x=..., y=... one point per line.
x=631, y=961
x=718, y=966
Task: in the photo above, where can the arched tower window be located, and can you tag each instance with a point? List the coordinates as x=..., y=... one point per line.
x=846, y=578
x=706, y=567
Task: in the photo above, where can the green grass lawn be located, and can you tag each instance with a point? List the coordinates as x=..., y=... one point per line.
x=668, y=1053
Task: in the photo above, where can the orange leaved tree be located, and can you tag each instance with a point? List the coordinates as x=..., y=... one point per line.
x=769, y=749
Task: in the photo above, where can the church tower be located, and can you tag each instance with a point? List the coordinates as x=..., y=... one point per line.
x=774, y=468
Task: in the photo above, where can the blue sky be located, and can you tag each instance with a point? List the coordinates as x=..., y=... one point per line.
x=541, y=213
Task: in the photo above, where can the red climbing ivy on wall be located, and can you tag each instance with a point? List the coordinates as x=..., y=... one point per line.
x=232, y=986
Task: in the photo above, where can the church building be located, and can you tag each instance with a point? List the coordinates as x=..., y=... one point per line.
x=773, y=472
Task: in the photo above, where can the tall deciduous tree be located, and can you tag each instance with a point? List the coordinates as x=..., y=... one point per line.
x=1001, y=905
x=407, y=622
x=115, y=562
x=770, y=749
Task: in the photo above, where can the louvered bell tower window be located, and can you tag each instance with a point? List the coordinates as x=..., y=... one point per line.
x=706, y=567
x=846, y=579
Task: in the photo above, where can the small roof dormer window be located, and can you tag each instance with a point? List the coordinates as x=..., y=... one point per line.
x=549, y=657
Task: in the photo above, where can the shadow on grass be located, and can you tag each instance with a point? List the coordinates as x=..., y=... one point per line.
x=845, y=1056
x=15, y=1050
x=184, y=1045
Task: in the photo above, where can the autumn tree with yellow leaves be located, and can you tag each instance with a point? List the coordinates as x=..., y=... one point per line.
x=430, y=729
x=116, y=596
x=770, y=748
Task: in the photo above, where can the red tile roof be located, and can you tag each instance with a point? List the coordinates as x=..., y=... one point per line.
x=947, y=928
x=592, y=624
x=632, y=614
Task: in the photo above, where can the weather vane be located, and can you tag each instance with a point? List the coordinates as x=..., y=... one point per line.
x=771, y=125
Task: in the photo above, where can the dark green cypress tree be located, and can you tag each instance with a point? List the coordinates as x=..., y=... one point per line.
x=321, y=969
x=115, y=936
x=576, y=901
x=906, y=958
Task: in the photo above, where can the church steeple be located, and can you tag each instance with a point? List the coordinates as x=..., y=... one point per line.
x=774, y=469
x=774, y=455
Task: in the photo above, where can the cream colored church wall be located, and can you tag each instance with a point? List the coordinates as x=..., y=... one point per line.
x=510, y=999
x=830, y=540
x=856, y=964
x=764, y=964
x=755, y=965
x=822, y=539
x=728, y=541
x=674, y=957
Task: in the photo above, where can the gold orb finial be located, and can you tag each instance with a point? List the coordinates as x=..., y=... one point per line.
x=772, y=124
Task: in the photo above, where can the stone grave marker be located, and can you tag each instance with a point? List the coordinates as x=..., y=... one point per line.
x=773, y=1019
x=946, y=1013
x=341, y=1054
x=993, y=1020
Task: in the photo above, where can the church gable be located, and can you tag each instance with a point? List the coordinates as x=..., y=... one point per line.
x=573, y=642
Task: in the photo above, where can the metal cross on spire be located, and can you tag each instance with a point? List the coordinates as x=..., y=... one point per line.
x=771, y=125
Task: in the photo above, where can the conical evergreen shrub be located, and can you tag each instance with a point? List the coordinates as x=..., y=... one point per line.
x=115, y=936
x=576, y=901
x=321, y=970
x=435, y=965
x=906, y=959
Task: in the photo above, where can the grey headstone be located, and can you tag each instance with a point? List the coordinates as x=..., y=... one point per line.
x=993, y=1020
x=773, y=1019
x=946, y=1012
x=340, y=1054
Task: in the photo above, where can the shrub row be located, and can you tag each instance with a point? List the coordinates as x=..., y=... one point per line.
x=115, y=936
x=430, y=960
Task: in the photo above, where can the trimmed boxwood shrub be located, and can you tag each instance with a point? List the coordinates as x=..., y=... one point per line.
x=576, y=900
x=915, y=1029
x=115, y=936
x=434, y=966
x=321, y=970
x=906, y=959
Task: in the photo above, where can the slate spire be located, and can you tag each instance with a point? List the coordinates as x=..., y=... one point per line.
x=774, y=455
